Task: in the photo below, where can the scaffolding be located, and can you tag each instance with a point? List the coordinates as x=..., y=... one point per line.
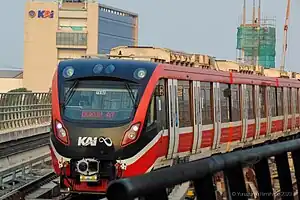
x=257, y=44
x=256, y=40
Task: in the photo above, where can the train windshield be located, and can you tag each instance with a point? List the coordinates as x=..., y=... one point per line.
x=100, y=100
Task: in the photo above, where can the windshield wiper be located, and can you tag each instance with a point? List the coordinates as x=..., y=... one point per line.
x=133, y=99
x=69, y=93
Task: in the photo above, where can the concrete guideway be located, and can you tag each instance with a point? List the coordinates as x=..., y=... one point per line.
x=7, y=135
x=24, y=114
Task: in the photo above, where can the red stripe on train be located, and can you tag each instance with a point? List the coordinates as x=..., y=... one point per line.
x=185, y=142
x=160, y=148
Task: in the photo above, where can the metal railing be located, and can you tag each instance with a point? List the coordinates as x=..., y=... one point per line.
x=200, y=172
x=24, y=109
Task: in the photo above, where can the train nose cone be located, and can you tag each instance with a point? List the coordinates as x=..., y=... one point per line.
x=82, y=166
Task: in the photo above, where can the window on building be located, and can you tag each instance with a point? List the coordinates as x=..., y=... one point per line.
x=206, y=94
x=184, y=103
x=262, y=101
x=71, y=39
x=225, y=102
x=279, y=101
x=74, y=1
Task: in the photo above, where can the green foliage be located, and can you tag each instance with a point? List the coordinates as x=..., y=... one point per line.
x=20, y=90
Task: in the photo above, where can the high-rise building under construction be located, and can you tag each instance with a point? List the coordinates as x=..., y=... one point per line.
x=256, y=41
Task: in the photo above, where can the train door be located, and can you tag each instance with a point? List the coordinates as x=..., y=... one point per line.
x=217, y=115
x=248, y=121
x=294, y=99
x=173, y=118
x=297, y=108
x=269, y=111
x=197, y=102
x=257, y=111
x=245, y=101
x=285, y=110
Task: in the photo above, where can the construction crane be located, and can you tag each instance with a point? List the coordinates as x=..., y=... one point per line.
x=284, y=50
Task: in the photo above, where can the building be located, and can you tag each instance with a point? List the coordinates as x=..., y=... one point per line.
x=10, y=79
x=256, y=40
x=67, y=29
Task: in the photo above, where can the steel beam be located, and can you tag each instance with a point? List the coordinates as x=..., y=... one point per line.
x=168, y=177
x=157, y=195
x=204, y=188
x=296, y=161
x=236, y=183
x=263, y=178
x=285, y=179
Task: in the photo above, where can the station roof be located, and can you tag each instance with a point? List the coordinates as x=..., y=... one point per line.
x=11, y=73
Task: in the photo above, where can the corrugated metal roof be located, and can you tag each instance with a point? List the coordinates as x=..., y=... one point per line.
x=10, y=73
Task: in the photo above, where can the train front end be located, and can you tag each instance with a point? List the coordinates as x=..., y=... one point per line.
x=95, y=120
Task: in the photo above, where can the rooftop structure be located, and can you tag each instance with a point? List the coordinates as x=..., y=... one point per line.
x=11, y=73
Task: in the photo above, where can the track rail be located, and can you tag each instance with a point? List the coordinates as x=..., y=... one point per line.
x=24, y=177
x=23, y=145
x=21, y=192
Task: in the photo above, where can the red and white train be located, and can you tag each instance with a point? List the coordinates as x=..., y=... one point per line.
x=180, y=110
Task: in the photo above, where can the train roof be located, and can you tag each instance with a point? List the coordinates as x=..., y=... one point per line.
x=129, y=58
x=165, y=55
x=86, y=64
x=122, y=69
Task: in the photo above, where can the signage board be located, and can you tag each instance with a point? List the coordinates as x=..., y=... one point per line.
x=41, y=13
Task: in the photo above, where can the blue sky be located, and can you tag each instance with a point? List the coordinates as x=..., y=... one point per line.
x=202, y=26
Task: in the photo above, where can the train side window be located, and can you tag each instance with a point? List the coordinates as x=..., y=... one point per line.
x=289, y=100
x=206, y=93
x=297, y=100
x=279, y=101
x=184, y=104
x=235, y=103
x=250, y=101
x=225, y=103
x=158, y=94
x=162, y=92
x=272, y=101
x=295, y=106
x=151, y=114
x=262, y=101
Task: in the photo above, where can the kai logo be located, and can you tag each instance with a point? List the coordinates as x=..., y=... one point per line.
x=45, y=14
x=92, y=141
x=87, y=141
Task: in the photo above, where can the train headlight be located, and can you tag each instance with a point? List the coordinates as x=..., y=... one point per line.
x=131, y=134
x=61, y=133
x=109, y=69
x=140, y=73
x=68, y=72
x=98, y=68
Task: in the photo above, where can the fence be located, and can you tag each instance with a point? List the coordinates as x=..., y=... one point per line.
x=24, y=109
